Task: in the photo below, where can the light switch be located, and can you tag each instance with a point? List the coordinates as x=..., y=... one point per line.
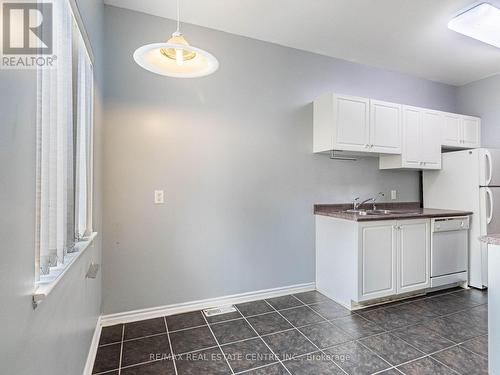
x=159, y=197
x=394, y=195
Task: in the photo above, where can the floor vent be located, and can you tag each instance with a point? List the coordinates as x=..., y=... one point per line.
x=219, y=310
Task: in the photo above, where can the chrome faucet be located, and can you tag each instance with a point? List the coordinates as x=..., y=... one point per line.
x=356, y=204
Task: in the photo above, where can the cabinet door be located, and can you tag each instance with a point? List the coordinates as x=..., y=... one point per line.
x=451, y=130
x=351, y=116
x=471, y=132
x=377, y=276
x=385, y=127
x=412, y=137
x=413, y=255
x=431, y=139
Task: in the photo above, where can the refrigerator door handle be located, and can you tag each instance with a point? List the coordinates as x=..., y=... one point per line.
x=490, y=199
x=489, y=161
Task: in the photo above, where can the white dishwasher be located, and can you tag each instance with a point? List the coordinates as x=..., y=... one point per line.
x=449, y=250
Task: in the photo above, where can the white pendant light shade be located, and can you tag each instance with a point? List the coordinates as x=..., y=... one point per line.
x=151, y=58
x=176, y=58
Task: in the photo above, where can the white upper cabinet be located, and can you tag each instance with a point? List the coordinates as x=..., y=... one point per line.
x=412, y=153
x=461, y=132
x=431, y=136
x=403, y=136
x=452, y=131
x=385, y=127
x=422, y=130
x=471, y=132
x=350, y=123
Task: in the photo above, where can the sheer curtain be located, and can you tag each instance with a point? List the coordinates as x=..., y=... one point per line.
x=84, y=115
x=64, y=147
x=55, y=161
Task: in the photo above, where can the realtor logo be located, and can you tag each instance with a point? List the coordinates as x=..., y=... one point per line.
x=27, y=28
x=27, y=34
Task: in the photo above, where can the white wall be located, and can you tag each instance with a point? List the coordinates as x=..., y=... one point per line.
x=233, y=153
x=55, y=338
x=482, y=98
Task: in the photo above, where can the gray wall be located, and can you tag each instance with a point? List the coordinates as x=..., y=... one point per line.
x=482, y=98
x=55, y=338
x=233, y=153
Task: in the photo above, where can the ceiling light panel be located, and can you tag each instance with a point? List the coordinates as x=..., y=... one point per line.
x=481, y=22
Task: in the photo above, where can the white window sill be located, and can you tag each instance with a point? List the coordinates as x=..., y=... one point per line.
x=48, y=282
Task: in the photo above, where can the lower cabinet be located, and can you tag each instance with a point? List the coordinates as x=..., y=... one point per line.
x=378, y=260
x=394, y=258
x=414, y=251
x=359, y=261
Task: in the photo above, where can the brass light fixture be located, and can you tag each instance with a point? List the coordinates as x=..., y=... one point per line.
x=176, y=58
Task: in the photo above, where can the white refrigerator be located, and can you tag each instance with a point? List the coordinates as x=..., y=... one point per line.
x=469, y=180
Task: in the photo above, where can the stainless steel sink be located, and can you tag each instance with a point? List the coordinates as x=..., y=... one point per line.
x=359, y=212
x=381, y=212
x=369, y=212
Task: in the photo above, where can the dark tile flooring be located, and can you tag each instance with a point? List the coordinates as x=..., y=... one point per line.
x=306, y=333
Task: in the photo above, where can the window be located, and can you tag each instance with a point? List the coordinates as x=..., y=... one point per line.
x=83, y=154
x=64, y=148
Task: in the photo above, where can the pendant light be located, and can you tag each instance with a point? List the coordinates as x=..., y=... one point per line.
x=176, y=58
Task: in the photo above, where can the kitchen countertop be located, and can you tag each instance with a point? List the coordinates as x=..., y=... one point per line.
x=407, y=210
x=491, y=239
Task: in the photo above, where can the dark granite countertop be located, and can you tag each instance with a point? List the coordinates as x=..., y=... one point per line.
x=407, y=210
x=491, y=239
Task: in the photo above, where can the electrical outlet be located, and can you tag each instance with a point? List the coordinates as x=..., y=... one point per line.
x=394, y=195
x=159, y=197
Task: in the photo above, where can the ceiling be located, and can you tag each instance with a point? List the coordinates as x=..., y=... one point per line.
x=409, y=36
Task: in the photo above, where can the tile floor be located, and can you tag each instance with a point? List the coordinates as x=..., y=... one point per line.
x=306, y=333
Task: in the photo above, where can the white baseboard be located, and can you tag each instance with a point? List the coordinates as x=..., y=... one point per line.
x=89, y=364
x=155, y=312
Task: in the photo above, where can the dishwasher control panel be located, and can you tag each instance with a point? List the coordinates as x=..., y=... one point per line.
x=450, y=224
